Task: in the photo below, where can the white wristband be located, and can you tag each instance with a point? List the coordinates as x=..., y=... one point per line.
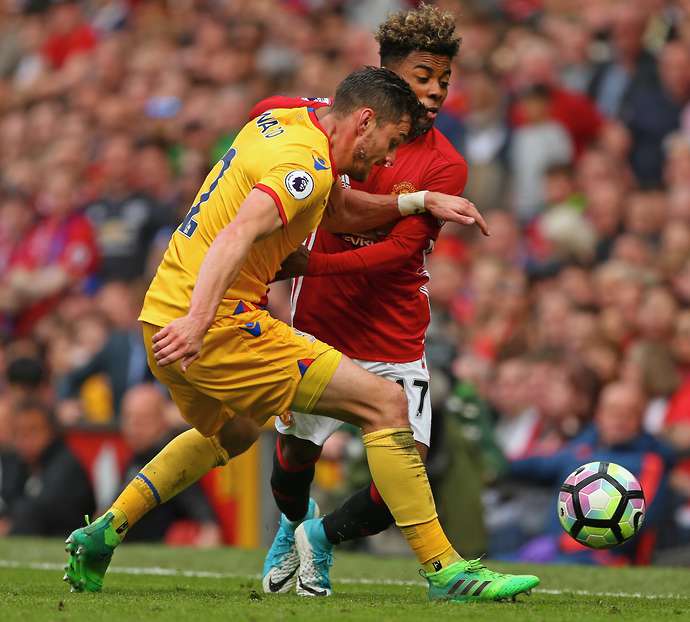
x=411, y=203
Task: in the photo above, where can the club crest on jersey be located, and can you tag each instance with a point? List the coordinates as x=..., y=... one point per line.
x=299, y=184
x=320, y=163
x=404, y=187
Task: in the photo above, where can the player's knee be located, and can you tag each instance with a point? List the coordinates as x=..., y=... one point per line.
x=297, y=451
x=390, y=409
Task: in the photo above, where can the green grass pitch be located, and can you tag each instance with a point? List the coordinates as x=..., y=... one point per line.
x=157, y=583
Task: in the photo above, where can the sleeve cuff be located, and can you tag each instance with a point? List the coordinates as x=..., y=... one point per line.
x=276, y=199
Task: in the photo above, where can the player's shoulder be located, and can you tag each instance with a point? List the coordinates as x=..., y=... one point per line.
x=284, y=101
x=288, y=125
x=441, y=150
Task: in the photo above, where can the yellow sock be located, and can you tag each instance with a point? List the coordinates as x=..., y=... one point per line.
x=430, y=543
x=178, y=465
x=400, y=478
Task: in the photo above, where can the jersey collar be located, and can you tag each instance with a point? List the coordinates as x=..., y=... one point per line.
x=317, y=123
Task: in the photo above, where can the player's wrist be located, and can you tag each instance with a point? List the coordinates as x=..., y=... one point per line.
x=412, y=203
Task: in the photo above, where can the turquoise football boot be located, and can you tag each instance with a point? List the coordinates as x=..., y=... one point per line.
x=315, y=559
x=282, y=561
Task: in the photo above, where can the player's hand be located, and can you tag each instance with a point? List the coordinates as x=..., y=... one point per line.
x=454, y=209
x=295, y=264
x=179, y=340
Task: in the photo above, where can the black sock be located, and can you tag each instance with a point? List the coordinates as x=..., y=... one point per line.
x=363, y=514
x=290, y=485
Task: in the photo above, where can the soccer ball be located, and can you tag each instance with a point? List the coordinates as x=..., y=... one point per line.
x=601, y=505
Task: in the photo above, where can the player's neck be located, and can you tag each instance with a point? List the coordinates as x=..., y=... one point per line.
x=333, y=127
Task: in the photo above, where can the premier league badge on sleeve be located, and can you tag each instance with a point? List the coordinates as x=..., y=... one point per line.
x=299, y=184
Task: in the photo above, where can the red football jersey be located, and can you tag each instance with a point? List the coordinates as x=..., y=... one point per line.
x=376, y=307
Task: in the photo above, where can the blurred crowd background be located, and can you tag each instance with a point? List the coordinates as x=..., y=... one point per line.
x=563, y=337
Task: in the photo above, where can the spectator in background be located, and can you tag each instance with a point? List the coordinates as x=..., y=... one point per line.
x=58, y=255
x=650, y=366
x=538, y=144
x=26, y=378
x=56, y=493
x=653, y=111
x=68, y=33
x=484, y=139
x=122, y=358
x=518, y=420
x=125, y=220
x=616, y=436
x=630, y=64
x=536, y=66
x=146, y=431
x=16, y=219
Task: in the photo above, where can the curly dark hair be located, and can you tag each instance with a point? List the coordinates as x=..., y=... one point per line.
x=426, y=29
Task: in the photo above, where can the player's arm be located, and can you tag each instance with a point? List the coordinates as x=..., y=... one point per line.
x=257, y=217
x=407, y=237
x=355, y=211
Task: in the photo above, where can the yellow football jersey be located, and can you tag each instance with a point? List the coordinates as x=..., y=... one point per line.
x=285, y=153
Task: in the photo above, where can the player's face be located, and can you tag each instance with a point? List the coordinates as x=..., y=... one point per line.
x=428, y=75
x=377, y=144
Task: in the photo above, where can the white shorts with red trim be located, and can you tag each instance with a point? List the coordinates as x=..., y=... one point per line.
x=413, y=377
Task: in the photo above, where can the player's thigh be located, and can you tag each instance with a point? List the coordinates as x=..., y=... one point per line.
x=413, y=377
x=201, y=411
x=256, y=365
x=357, y=396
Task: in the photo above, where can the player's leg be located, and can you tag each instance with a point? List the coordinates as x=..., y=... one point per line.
x=298, y=447
x=300, y=438
x=179, y=464
x=365, y=513
x=380, y=408
x=217, y=435
x=292, y=474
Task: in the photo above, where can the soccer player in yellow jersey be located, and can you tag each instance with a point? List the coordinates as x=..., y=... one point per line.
x=227, y=363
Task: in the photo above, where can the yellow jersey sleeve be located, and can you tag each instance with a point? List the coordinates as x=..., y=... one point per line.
x=294, y=185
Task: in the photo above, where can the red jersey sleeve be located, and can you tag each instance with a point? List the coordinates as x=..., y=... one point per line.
x=283, y=101
x=408, y=236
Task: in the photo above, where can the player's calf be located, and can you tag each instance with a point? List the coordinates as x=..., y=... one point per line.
x=292, y=474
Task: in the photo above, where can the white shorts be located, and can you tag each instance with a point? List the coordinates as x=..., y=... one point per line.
x=413, y=377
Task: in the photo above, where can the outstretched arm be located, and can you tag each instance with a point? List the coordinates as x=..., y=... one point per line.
x=257, y=217
x=356, y=211
x=407, y=237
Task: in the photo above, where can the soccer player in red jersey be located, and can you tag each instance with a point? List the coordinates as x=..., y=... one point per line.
x=366, y=294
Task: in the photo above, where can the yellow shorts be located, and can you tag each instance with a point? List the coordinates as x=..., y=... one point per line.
x=251, y=365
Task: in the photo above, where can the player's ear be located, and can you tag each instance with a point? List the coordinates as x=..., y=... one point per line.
x=366, y=119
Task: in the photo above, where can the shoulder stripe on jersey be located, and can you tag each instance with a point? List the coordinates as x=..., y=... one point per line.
x=317, y=124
